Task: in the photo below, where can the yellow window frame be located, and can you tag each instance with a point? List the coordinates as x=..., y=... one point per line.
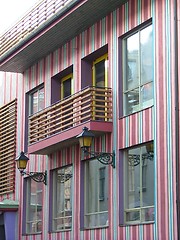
x=67, y=77
x=103, y=57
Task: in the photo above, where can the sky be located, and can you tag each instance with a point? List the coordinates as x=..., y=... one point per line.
x=11, y=11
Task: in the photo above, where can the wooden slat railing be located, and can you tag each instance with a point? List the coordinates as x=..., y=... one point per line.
x=8, y=123
x=90, y=104
x=34, y=19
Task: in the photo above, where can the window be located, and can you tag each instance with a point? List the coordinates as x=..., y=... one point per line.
x=100, y=79
x=102, y=183
x=138, y=71
x=66, y=86
x=62, y=199
x=67, y=107
x=62, y=85
x=95, y=194
x=94, y=68
x=33, y=206
x=100, y=71
x=36, y=100
x=139, y=184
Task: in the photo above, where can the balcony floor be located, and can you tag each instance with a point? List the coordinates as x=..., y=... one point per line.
x=68, y=137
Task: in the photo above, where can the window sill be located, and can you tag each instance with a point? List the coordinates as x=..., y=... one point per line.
x=95, y=227
x=29, y=234
x=140, y=110
x=62, y=230
x=136, y=223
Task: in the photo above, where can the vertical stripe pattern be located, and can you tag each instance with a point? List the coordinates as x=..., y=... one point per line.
x=156, y=123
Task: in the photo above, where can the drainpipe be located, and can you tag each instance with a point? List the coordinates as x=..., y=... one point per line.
x=177, y=116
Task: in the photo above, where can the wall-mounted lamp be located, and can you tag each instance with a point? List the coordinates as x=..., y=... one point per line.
x=85, y=140
x=21, y=162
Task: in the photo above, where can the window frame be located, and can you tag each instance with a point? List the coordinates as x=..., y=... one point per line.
x=96, y=61
x=29, y=113
x=30, y=98
x=140, y=84
x=53, y=201
x=142, y=189
x=26, y=210
x=64, y=79
x=84, y=196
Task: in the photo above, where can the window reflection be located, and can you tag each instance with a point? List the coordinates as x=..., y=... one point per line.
x=140, y=184
x=62, y=198
x=34, y=207
x=37, y=102
x=96, y=194
x=139, y=71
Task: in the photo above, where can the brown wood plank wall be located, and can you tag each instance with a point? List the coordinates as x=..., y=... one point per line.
x=8, y=123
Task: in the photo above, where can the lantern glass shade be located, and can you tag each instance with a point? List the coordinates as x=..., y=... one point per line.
x=21, y=161
x=21, y=164
x=85, y=141
x=85, y=138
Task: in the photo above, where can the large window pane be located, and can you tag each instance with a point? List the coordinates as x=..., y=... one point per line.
x=62, y=198
x=146, y=55
x=132, y=100
x=139, y=179
x=138, y=70
x=133, y=178
x=41, y=99
x=132, y=62
x=147, y=94
x=34, y=207
x=36, y=100
x=100, y=73
x=96, y=194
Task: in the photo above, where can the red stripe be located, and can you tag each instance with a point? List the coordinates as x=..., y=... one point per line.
x=133, y=13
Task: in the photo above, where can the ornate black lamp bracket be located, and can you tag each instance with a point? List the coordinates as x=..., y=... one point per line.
x=37, y=176
x=103, y=157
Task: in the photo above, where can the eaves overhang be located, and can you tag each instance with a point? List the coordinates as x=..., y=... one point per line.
x=55, y=32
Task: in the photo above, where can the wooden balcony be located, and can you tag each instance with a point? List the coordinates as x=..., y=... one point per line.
x=63, y=120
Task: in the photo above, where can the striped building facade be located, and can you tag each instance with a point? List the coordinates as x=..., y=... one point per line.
x=156, y=123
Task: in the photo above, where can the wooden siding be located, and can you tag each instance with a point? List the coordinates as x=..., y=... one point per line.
x=8, y=124
x=33, y=20
x=136, y=128
x=127, y=131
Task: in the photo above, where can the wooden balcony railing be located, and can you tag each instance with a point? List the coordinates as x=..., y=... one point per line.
x=90, y=104
x=34, y=19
